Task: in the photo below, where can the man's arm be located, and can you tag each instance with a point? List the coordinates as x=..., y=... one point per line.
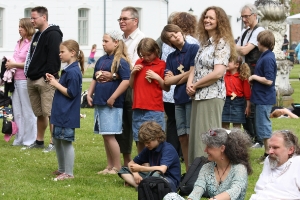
x=244, y=50
x=53, y=62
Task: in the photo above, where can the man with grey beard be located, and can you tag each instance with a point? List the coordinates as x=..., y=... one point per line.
x=280, y=178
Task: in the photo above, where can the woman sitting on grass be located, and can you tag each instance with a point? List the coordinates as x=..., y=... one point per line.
x=226, y=176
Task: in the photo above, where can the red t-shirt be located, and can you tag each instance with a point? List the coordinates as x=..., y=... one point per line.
x=147, y=95
x=234, y=84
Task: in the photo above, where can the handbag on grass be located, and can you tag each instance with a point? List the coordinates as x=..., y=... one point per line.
x=9, y=127
x=153, y=187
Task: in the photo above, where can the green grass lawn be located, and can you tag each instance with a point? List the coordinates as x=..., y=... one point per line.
x=27, y=174
x=295, y=72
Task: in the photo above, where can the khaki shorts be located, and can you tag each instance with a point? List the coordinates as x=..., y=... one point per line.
x=41, y=96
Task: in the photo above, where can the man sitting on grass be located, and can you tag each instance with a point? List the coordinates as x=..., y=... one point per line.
x=159, y=154
x=280, y=178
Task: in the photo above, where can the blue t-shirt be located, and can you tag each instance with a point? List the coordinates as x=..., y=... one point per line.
x=265, y=67
x=185, y=57
x=164, y=154
x=103, y=91
x=66, y=110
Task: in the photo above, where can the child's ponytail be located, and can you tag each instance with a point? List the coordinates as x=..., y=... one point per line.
x=244, y=71
x=81, y=61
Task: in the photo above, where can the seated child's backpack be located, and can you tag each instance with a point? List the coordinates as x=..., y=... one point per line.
x=153, y=188
x=188, y=180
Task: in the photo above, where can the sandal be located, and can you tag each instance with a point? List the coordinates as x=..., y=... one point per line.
x=113, y=171
x=105, y=171
x=64, y=176
x=56, y=172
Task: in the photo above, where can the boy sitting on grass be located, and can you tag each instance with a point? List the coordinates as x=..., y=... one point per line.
x=159, y=154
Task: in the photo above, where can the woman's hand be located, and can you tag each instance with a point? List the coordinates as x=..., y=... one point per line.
x=190, y=89
x=10, y=64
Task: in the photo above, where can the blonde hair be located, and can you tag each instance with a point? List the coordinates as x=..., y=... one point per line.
x=119, y=52
x=27, y=25
x=72, y=45
x=243, y=68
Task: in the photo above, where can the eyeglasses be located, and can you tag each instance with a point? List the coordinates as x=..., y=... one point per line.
x=34, y=18
x=124, y=19
x=246, y=16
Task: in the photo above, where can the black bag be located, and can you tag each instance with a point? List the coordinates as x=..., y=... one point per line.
x=296, y=107
x=4, y=100
x=84, y=103
x=153, y=188
x=6, y=125
x=188, y=180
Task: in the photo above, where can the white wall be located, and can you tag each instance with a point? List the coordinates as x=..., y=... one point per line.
x=64, y=13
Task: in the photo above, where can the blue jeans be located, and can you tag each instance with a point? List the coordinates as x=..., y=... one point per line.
x=183, y=117
x=139, y=116
x=263, y=123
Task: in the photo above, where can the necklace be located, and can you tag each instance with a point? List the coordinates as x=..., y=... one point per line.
x=220, y=182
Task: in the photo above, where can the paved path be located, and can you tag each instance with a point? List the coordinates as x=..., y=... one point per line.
x=90, y=79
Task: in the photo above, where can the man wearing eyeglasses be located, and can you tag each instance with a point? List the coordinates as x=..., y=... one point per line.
x=128, y=21
x=280, y=177
x=247, y=47
x=42, y=58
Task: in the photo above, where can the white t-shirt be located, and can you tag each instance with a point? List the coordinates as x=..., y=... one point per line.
x=132, y=43
x=253, y=39
x=280, y=183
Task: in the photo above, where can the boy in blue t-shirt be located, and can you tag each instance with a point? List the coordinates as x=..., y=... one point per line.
x=263, y=93
x=159, y=154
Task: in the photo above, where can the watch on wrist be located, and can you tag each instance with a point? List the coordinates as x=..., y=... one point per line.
x=114, y=76
x=214, y=198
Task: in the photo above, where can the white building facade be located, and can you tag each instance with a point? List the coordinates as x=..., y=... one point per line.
x=86, y=21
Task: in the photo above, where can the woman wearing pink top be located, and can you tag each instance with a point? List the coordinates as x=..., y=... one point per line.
x=23, y=114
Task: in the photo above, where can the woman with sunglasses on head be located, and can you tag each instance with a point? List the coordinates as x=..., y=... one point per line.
x=225, y=177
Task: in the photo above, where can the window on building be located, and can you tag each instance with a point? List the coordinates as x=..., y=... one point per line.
x=1, y=27
x=27, y=12
x=83, y=25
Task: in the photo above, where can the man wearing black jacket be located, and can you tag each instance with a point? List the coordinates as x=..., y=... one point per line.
x=42, y=58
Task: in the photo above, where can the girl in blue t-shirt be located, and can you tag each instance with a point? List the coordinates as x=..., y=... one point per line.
x=178, y=69
x=109, y=96
x=65, y=113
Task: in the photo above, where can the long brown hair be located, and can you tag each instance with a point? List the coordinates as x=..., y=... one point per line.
x=223, y=29
x=72, y=45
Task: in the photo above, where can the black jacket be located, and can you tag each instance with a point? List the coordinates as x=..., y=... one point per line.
x=45, y=58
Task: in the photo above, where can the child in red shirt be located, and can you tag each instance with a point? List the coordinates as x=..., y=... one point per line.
x=147, y=81
x=237, y=90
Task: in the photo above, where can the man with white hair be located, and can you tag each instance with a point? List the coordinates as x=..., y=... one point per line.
x=280, y=178
x=247, y=47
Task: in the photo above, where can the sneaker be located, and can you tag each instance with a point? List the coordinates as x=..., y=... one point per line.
x=35, y=145
x=256, y=145
x=50, y=148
